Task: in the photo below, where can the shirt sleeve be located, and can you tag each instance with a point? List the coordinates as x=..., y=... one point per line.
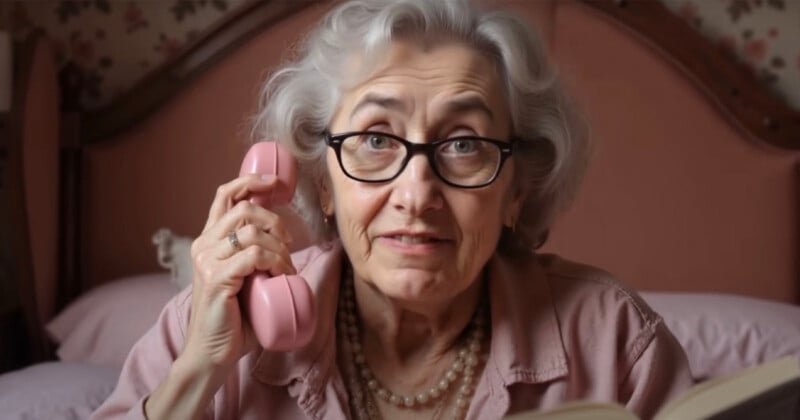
x=658, y=374
x=148, y=362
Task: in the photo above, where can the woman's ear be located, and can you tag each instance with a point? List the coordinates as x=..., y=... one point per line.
x=511, y=216
x=325, y=197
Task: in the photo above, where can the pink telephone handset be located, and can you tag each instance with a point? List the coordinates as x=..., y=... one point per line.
x=280, y=308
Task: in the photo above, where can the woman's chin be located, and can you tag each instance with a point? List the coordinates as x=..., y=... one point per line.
x=416, y=259
x=412, y=285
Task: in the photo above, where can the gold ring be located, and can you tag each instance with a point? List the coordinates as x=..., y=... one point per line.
x=234, y=240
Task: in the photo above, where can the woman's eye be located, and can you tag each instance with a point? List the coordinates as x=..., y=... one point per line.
x=378, y=142
x=463, y=146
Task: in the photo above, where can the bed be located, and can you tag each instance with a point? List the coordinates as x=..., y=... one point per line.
x=691, y=197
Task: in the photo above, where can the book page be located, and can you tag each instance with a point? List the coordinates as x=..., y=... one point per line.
x=710, y=397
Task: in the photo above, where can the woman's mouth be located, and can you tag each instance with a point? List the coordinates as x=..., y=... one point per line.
x=416, y=244
x=414, y=239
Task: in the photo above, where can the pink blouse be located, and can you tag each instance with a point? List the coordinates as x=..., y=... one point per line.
x=560, y=331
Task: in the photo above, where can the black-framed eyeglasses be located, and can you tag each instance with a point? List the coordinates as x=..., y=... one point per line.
x=464, y=162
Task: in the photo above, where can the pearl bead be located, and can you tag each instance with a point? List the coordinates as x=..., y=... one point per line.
x=366, y=374
x=465, y=389
x=394, y=399
x=372, y=385
x=409, y=401
x=422, y=398
x=383, y=394
x=443, y=385
x=471, y=360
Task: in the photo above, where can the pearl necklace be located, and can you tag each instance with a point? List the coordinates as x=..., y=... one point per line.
x=360, y=375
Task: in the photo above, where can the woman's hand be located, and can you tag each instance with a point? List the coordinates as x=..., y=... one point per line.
x=218, y=335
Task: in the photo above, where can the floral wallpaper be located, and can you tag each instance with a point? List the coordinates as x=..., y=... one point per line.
x=105, y=46
x=108, y=45
x=762, y=34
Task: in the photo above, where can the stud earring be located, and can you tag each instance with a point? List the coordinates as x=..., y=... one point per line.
x=326, y=217
x=513, y=226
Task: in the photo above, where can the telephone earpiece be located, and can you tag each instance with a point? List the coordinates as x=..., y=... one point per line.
x=280, y=309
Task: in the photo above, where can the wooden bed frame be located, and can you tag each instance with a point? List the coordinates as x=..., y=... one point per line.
x=757, y=116
x=29, y=231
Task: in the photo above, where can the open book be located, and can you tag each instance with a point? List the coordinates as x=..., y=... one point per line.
x=768, y=391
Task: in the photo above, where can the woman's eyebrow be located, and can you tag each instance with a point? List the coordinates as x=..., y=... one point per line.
x=452, y=106
x=468, y=104
x=382, y=101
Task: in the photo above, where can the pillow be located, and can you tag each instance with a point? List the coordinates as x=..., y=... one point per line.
x=55, y=390
x=723, y=334
x=101, y=326
x=174, y=253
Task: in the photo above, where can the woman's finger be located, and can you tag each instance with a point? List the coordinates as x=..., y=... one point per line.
x=230, y=193
x=247, y=236
x=245, y=213
x=253, y=259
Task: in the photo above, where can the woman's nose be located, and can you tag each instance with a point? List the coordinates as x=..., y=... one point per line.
x=417, y=189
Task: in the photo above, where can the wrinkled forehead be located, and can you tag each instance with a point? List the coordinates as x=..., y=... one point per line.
x=441, y=81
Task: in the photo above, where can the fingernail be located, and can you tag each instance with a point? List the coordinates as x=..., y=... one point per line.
x=267, y=177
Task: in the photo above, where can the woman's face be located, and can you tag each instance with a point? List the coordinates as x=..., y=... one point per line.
x=416, y=238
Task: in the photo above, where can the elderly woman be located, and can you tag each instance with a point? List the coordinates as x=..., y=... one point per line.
x=435, y=147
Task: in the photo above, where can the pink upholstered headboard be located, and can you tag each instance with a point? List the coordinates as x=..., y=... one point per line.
x=682, y=194
x=677, y=197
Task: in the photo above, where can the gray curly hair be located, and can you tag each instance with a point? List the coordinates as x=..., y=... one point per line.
x=298, y=100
